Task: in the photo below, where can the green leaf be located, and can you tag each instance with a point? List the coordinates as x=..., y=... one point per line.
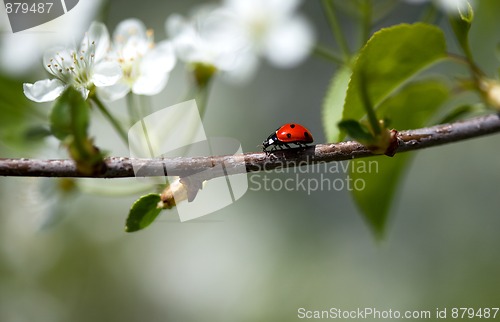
x=70, y=115
x=380, y=187
x=357, y=131
x=143, y=212
x=461, y=24
x=412, y=107
x=60, y=117
x=390, y=58
x=36, y=133
x=334, y=103
x=69, y=121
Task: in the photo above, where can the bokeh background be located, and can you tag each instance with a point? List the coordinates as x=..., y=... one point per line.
x=262, y=258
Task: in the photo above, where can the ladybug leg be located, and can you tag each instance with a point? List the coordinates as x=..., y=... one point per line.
x=278, y=147
x=286, y=145
x=270, y=154
x=272, y=157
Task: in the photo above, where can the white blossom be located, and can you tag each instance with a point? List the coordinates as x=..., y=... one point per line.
x=208, y=37
x=82, y=68
x=146, y=66
x=234, y=36
x=273, y=29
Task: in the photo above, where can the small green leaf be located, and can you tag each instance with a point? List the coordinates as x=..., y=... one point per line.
x=143, y=212
x=461, y=24
x=357, y=131
x=36, y=133
x=60, y=117
x=333, y=104
x=412, y=107
x=80, y=118
x=69, y=115
x=69, y=121
x=390, y=58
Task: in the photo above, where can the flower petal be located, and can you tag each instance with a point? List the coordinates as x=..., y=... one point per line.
x=159, y=60
x=148, y=85
x=242, y=69
x=453, y=6
x=130, y=28
x=113, y=92
x=289, y=43
x=209, y=37
x=176, y=25
x=184, y=37
x=44, y=91
x=247, y=11
x=97, y=33
x=84, y=91
x=106, y=74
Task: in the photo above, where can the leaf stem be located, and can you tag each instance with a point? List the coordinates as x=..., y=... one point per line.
x=430, y=14
x=148, y=141
x=335, y=27
x=132, y=108
x=477, y=73
x=327, y=54
x=367, y=104
x=137, y=114
x=119, y=129
x=366, y=23
x=145, y=109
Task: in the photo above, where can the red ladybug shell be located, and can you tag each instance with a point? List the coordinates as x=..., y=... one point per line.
x=293, y=132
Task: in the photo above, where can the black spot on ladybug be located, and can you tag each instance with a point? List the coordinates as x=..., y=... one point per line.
x=288, y=135
x=292, y=125
x=306, y=134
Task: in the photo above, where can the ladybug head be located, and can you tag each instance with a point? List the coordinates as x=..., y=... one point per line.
x=271, y=140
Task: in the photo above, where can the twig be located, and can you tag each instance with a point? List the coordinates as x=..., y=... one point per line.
x=216, y=166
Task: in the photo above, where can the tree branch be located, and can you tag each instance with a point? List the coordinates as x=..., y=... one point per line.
x=215, y=166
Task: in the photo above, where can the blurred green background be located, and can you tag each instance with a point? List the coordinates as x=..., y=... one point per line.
x=272, y=252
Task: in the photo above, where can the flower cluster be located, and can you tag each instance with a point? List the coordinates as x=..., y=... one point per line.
x=228, y=38
x=132, y=63
x=232, y=37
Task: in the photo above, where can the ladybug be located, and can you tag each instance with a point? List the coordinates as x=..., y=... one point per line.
x=288, y=133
